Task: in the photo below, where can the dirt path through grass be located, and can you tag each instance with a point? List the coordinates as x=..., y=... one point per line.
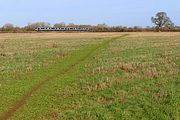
x=70, y=62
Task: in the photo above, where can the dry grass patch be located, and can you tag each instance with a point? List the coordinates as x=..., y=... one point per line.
x=102, y=85
x=128, y=67
x=151, y=72
x=115, y=49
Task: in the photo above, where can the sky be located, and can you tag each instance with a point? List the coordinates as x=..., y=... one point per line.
x=111, y=12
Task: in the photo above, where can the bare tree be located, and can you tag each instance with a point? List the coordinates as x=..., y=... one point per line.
x=39, y=24
x=71, y=25
x=162, y=20
x=32, y=26
x=102, y=25
x=62, y=24
x=8, y=27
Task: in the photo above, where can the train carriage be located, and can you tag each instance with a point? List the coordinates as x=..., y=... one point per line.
x=61, y=29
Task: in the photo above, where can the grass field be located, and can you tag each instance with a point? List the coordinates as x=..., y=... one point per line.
x=91, y=76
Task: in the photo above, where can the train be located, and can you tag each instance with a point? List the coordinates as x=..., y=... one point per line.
x=62, y=29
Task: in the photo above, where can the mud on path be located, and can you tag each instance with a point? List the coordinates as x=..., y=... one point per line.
x=89, y=52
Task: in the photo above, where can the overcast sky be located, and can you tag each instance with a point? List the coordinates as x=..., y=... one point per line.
x=111, y=12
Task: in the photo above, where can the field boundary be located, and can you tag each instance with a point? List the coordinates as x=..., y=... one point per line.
x=82, y=56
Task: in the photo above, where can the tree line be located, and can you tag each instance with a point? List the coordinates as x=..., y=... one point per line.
x=162, y=23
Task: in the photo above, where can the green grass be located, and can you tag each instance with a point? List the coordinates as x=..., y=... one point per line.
x=109, y=78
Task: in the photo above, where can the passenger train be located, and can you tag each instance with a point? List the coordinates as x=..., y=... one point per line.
x=61, y=29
